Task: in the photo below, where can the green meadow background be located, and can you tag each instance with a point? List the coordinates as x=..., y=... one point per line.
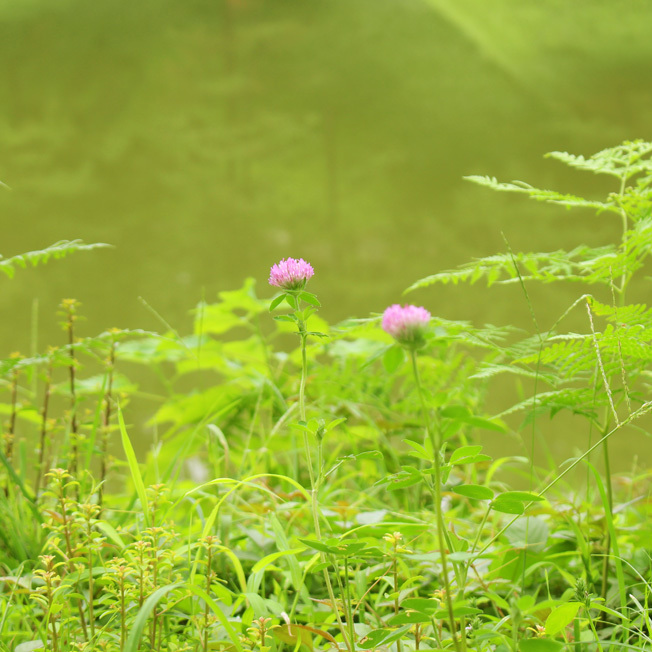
x=207, y=139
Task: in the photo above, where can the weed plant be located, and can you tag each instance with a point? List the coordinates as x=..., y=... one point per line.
x=321, y=487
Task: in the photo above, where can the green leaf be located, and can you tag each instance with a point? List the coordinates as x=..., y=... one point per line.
x=424, y=605
x=475, y=491
x=319, y=545
x=539, y=645
x=310, y=298
x=393, y=358
x=404, y=617
x=463, y=454
x=133, y=641
x=133, y=468
x=29, y=646
x=420, y=451
x=561, y=617
x=407, y=477
x=530, y=532
x=456, y=412
x=265, y=561
x=378, y=637
x=276, y=302
x=458, y=611
x=111, y=533
x=508, y=506
x=289, y=318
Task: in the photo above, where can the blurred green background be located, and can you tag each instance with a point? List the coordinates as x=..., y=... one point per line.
x=207, y=139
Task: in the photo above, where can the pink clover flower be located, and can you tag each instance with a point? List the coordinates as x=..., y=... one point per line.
x=290, y=274
x=406, y=324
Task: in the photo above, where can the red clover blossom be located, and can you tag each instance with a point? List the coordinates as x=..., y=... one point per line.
x=406, y=324
x=290, y=274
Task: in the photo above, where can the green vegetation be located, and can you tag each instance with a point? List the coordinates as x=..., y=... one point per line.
x=328, y=491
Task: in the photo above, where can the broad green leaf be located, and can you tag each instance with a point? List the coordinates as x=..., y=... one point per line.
x=319, y=545
x=463, y=453
x=539, y=645
x=276, y=302
x=424, y=605
x=530, y=532
x=508, y=506
x=393, y=358
x=475, y=491
x=455, y=412
x=405, y=617
x=29, y=646
x=378, y=637
x=458, y=611
x=310, y=298
x=561, y=617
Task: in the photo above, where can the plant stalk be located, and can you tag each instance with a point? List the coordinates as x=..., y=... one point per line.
x=436, y=446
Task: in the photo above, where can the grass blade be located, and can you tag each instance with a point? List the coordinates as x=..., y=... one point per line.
x=133, y=468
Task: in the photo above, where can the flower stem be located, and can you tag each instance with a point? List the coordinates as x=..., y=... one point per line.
x=436, y=446
x=313, y=485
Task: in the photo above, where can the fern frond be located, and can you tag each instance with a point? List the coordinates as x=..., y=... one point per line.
x=580, y=400
x=636, y=315
x=575, y=265
x=60, y=249
x=550, y=196
x=489, y=370
x=623, y=161
x=636, y=201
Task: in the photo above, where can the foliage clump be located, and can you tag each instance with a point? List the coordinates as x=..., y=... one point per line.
x=326, y=487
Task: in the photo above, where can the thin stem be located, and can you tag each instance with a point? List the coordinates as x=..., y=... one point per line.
x=106, y=423
x=73, y=396
x=347, y=586
x=313, y=489
x=436, y=445
x=44, y=429
x=605, y=560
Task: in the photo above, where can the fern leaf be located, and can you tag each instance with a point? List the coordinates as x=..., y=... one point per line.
x=58, y=250
x=550, y=196
x=586, y=264
x=623, y=161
